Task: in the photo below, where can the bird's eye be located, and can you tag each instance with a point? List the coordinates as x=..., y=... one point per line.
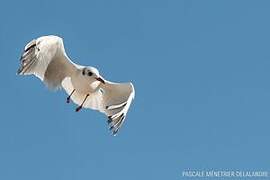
x=90, y=73
x=83, y=72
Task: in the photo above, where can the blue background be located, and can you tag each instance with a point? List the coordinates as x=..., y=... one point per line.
x=201, y=74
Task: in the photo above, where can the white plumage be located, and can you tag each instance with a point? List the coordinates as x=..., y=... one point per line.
x=45, y=57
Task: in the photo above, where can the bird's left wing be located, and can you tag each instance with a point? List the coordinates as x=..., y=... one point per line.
x=112, y=99
x=45, y=57
x=117, y=98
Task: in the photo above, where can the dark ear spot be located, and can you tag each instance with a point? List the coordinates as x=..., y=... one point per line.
x=83, y=72
x=101, y=90
x=90, y=73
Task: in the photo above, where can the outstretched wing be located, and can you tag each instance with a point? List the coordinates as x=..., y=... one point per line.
x=45, y=57
x=117, y=98
x=112, y=99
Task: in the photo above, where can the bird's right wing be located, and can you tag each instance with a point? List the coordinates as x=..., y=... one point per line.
x=45, y=57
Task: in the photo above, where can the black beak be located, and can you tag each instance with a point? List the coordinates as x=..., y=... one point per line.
x=101, y=80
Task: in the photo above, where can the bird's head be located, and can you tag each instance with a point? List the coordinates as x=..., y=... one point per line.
x=91, y=74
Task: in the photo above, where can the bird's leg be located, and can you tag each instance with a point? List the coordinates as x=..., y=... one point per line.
x=68, y=98
x=80, y=107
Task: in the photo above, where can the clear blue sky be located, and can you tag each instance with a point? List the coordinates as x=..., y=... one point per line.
x=201, y=74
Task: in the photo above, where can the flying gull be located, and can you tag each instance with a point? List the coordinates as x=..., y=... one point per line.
x=45, y=57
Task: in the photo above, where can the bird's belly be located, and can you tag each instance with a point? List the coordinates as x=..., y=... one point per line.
x=84, y=87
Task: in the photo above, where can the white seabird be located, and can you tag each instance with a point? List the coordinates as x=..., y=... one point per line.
x=45, y=57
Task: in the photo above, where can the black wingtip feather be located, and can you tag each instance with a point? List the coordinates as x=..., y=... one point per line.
x=33, y=45
x=111, y=128
x=109, y=121
x=115, y=132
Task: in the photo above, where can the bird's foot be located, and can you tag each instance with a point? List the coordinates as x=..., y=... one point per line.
x=68, y=98
x=78, y=108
